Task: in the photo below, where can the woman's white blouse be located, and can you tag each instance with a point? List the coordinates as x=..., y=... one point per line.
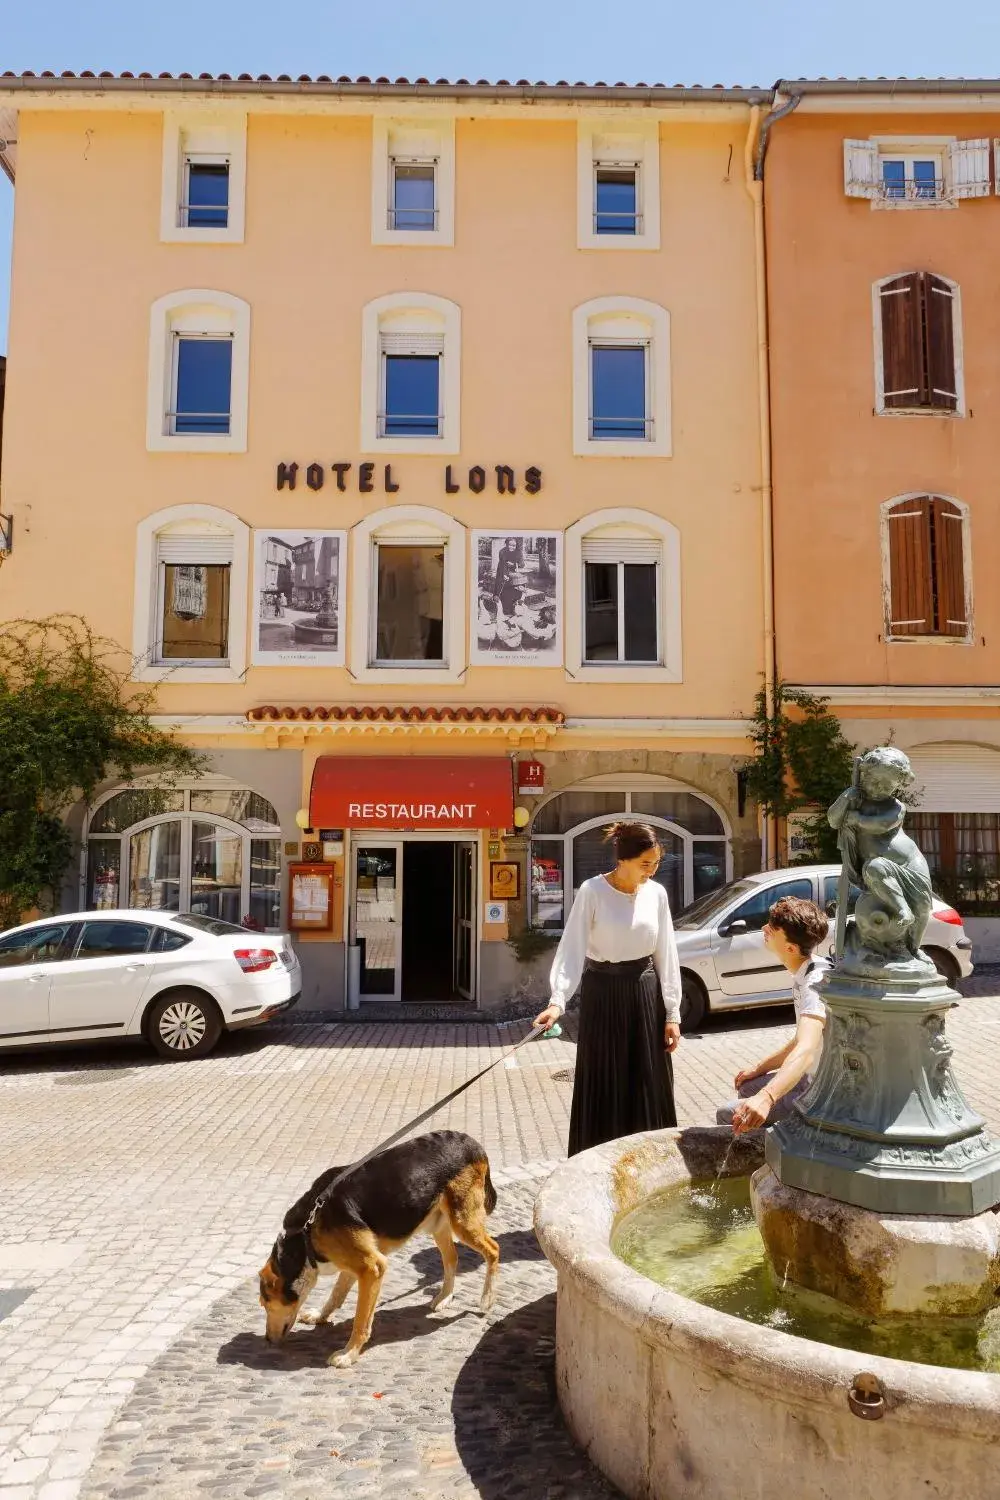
x=610, y=927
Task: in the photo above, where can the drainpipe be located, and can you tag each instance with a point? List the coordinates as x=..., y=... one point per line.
x=753, y=169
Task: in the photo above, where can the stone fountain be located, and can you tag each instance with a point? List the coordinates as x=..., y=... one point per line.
x=877, y=1193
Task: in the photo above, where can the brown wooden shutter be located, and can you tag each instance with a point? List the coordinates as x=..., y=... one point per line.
x=949, y=568
x=904, y=379
x=939, y=324
x=911, y=583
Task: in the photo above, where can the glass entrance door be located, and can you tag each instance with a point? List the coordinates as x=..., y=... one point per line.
x=464, y=972
x=378, y=927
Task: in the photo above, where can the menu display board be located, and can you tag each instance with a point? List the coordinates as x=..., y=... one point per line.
x=311, y=905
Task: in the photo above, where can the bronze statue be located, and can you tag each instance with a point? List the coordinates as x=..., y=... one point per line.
x=878, y=856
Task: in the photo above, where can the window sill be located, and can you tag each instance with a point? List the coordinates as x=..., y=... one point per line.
x=919, y=411
x=414, y=238
x=610, y=448
x=895, y=204
x=196, y=443
x=613, y=673
x=930, y=640
x=445, y=444
x=408, y=676
x=185, y=672
x=618, y=242
x=202, y=236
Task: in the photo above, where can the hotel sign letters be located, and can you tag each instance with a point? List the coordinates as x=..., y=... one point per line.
x=368, y=478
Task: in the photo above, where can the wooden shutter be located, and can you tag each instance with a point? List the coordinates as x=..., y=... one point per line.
x=996, y=166
x=911, y=582
x=861, y=177
x=904, y=380
x=949, y=567
x=939, y=326
x=970, y=168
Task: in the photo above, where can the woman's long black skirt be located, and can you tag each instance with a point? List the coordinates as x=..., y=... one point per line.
x=624, y=1078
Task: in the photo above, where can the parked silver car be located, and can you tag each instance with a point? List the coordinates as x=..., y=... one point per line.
x=725, y=965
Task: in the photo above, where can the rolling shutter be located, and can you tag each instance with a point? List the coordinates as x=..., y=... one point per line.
x=956, y=778
x=412, y=343
x=196, y=550
x=621, y=549
x=911, y=606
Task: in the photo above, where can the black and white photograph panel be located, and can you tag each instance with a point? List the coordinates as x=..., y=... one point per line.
x=298, y=598
x=517, y=598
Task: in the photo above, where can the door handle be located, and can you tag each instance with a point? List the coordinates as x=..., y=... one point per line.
x=36, y=978
x=135, y=968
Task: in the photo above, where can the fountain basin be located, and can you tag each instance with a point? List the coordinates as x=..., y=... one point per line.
x=673, y=1399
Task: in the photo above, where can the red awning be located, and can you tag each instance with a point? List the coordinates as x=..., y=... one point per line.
x=395, y=792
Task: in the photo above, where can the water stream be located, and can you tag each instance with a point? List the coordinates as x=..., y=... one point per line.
x=701, y=1240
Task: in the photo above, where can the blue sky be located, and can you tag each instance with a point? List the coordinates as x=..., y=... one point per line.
x=728, y=41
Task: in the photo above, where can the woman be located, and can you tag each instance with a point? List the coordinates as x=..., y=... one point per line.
x=619, y=941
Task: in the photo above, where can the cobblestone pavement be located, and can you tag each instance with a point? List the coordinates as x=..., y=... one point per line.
x=139, y=1199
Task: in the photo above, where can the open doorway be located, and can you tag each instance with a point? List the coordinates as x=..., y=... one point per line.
x=438, y=931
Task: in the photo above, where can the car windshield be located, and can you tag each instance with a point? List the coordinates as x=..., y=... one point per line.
x=211, y=925
x=708, y=906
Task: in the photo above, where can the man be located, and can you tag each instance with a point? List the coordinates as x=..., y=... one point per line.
x=768, y=1091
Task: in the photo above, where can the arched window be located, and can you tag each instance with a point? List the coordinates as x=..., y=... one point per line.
x=918, y=344
x=927, y=569
x=623, y=598
x=408, y=602
x=568, y=840
x=411, y=374
x=208, y=847
x=621, y=379
x=199, y=373
x=191, y=580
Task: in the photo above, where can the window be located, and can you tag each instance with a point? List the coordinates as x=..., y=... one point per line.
x=211, y=850
x=618, y=187
x=113, y=939
x=755, y=911
x=191, y=588
x=616, y=199
x=928, y=172
x=963, y=852
x=409, y=604
x=206, y=201
x=623, y=598
x=168, y=942
x=204, y=176
x=409, y=571
x=621, y=378
x=925, y=551
x=38, y=945
x=413, y=195
x=569, y=841
x=202, y=387
x=411, y=387
x=413, y=182
x=199, y=371
x=918, y=340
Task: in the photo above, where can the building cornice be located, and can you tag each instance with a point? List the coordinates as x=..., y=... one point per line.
x=881, y=695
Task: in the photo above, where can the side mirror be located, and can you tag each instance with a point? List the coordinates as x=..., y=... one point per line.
x=731, y=928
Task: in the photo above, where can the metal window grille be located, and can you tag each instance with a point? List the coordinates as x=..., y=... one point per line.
x=420, y=219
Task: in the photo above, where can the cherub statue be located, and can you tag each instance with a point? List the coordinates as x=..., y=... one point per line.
x=896, y=900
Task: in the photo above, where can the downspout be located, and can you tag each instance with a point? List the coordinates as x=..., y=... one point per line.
x=753, y=169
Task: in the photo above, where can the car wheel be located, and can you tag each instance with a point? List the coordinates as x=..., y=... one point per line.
x=694, y=1003
x=183, y=1025
x=945, y=964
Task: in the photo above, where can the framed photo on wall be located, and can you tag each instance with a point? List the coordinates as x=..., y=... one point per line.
x=505, y=880
x=516, y=599
x=298, y=598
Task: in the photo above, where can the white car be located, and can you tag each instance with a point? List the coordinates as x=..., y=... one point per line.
x=725, y=965
x=176, y=979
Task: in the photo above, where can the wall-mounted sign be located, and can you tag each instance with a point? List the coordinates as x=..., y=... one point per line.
x=530, y=778
x=312, y=851
x=505, y=880
x=398, y=792
x=367, y=478
x=311, y=905
x=495, y=911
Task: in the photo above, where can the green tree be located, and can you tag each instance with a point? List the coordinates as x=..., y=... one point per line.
x=70, y=718
x=800, y=761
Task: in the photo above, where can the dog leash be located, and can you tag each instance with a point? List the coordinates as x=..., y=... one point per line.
x=424, y=1114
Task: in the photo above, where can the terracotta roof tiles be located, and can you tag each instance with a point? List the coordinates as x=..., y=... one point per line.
x=370, y=713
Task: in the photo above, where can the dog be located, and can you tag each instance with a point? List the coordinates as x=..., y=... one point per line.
x=439, y=1183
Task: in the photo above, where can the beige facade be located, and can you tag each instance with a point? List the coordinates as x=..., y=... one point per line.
x=397, y=422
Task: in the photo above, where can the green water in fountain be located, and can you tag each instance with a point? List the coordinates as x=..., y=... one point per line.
x=701, y=1240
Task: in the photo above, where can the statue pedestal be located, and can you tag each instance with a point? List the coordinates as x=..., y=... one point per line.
x=885, y=1125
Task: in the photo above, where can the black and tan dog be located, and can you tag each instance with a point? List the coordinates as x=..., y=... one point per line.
x=438, y=1183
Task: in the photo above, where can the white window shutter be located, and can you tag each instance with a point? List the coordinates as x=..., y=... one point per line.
x=623, y=549
x=861, y=179
x=412, y=343
x=996, y=166
x=970, y=168
x=195, y=550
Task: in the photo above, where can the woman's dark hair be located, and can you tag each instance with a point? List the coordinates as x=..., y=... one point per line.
x=632, y=839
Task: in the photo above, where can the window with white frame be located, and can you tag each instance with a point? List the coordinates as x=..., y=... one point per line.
x=199, y=371
x=204, y=177
x=410, y=351
x=413, y=182
x=409, y=571
x=621, y=378
x=618, y=187
x=623, y=598
x=927, y=569
x=191, y=595
x=927, y=172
